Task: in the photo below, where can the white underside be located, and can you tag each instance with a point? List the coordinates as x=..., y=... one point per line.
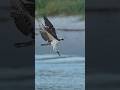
x=53, y=42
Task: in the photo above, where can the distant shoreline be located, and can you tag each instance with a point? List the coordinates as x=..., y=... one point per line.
x=58, y=7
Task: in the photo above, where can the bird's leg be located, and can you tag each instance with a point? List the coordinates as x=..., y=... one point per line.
x=45, y=44
x=24, y=44
x=58, y=53
x=55, y=48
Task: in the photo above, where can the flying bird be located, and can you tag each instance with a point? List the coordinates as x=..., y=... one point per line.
x=48, y=33
x=22, y=12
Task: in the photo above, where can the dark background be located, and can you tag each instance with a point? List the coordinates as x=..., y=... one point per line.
x=102, y=44
x=16, y=64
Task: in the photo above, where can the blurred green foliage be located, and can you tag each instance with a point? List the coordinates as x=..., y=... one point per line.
x=60, y=7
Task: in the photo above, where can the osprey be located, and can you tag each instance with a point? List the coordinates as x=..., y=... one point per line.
x=48, y=33
x=22, y=11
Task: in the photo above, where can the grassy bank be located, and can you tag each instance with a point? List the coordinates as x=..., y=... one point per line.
x=60, y=7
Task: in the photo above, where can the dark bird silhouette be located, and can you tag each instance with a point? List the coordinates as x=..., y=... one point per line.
x=22, y=11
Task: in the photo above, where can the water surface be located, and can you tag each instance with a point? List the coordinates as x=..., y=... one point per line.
x=65, y=72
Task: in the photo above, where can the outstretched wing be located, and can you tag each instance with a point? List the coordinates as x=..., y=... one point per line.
x=47, y=22
x=51, y=29
x=23, y=17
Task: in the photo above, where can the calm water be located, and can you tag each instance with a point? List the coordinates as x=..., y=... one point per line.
x=66, y=72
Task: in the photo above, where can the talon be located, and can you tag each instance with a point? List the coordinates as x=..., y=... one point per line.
x=58, y=53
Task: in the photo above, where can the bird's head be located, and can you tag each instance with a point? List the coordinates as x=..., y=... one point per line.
x=61, y=39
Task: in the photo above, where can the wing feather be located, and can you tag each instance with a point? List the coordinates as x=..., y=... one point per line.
x=51, y=29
